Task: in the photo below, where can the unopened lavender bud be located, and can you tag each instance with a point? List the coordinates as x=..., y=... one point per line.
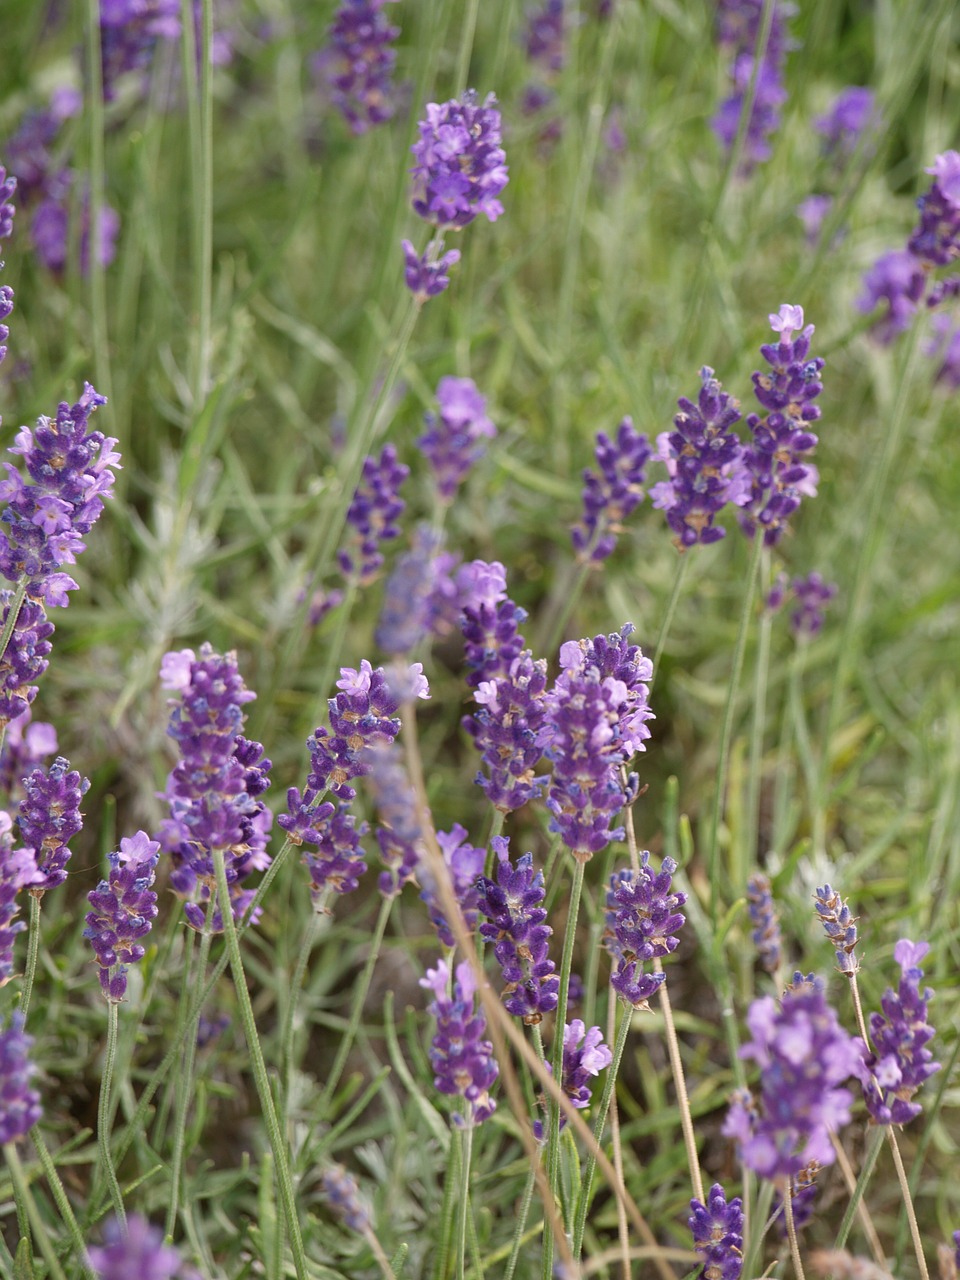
x=840, y=926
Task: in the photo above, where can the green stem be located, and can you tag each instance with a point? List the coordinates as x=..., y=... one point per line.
x=670, y=610
x=518, y=1230
x=95, y=270
x=200, y=132
x=13, y=613
x=359, y=999
x=184, y=1093
x=908, y=1202
x=746, y=109
x=466, y=47
x=466, y=1145
x=761, y=674
x=60, y=1197
x=260, y=1076
x=33, y=951
x=24, y=1197
x=792, y=1231
x=299, y=974
x=870, y=1159
x=104, y=1111
x=726, y=731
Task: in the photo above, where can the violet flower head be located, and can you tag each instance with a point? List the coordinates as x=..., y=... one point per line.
x=850, y=115
x=516, y=925
x=805, y=1057
x=129, y=32
x=944, y=347
x=898, y=279
x=399, y=834
x=612, y=495
x=507, y=729
x=765, y=921
x=373, y=514
x=19, y=1103
x=584, y=1056
x=357, y=63
x=643, y=919
x=936, y=238
x=840, y=926
x=333, y=830
x=544, y=37
x=462, y=1061
x=452, y=441
x=342, y=1193
x=613, y=655
x=135, y=1248
x=25, y=657
x=50, y=228
x=464, y=863
x=764, y=121
x=461, y=167
x=813, y=212
x=717, y=1230
x=776, y=462
x=362, y=716
x=8, y=185
x=812, y=595
x=49, y=817
x=428, y=274
x=214, y=790
x=490, y=622
x=702, y=455
x=405, y=615
x=18, y=870
x=26, y=745
x=124, y=907
x=900, y=1061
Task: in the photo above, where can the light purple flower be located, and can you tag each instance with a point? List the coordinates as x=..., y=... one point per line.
x=612, y=495
x=900, y=1061
x=461, y=167
x=428, y=274
x=462, y=1061
x=19, y=1103
x=124, y=907
x=717, y=1230
x=452, y=441
x=357, y=63
x=135, y=1249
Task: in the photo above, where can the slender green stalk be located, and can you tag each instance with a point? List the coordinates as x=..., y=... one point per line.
x=870, y=1159
x=274, y=1132
x=726, y=730
x=761, y=673
x=466, y=46
x=60, y=1198
x=104, y=1110
x=293, y=994
x=908, y=1202
x=184, y=1093
x=667, y=621
x=40, y=1229
x=13, y=613
x=463, y=1212
x=359, y=999
x=792, y=1231
x=200, y=134
x=33, y=951
x=95, y=285
x=522, y=1215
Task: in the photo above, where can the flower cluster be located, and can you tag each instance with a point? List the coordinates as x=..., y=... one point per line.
x=124, y=907
x=213, y=791
x=408, y=598
x=399, y=834
x=900, y=1061
x=21, y=1103
x=840, y=926
x=777, y=460
x=643, y=919
x=342, y=1193
x=506, y=729
x=765, y=921
x=129, y=32
x=49, y=818
x=544, y=35
x=25, y=658
x=812, y=594
x=373, y=514
x=357, y=63
x=26, y=744
x=462, y=1060
x=608, y=498
x=135, y=1248
x=490, y=622
x=702, y=456
x=18, y=869
x=805, y=1056
x=517, y=928
x=842, y=126
x=451, y=443
x=464, y=863
x=427, y=274
x=461, y=167
x=739, y=25
x=717, y=1230
x=584, y=1057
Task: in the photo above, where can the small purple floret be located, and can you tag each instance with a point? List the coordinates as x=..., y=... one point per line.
x=610, y=496
x=462, y=1061
x=765, y=921
x=373, y=514
x=461, y=167
x=357, y=63
x=717, y=1230
x=840, y=926
x=900, y=1061
x=49, y=818
x=452, y=441
x=135, y=1248
x=428, y=274
x=124, y=907
x=18, y=870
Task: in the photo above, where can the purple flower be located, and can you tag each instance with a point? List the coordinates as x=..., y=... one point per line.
x=506, y=729
x=19, y=1104
x=18, y=868
x=427, y=275
x=703, y=459
x=463, y=1063
x=812, y=594
x=399, y=833
x=8, y=186
x=50, y=229
x=25, y=657
x=405, y=616
x=840, y=926
x=452, y=441
x=213, y=791
x=135, y=1249
x=25, y=746
x=372, y=515
x=765, y=921
x=776, y=461
x=613, y=655
x=544, y=35
x=357, y=63
x=898, y=279
x=338, y=863
x=846, y=120
x=608, y=498
x=936, y=239
x=643, y=918
x=900, y=1061
x=464, y=863
x=129, y=31
x=944, y=346
x=805, y=1056
x=343, y=1195
x=460, y=169
x=490, y=622
x=49, y=817
x=770, y=95
x=813, y=212
x=717, y=1230
x=584, y=1056
x=517, y=927
x=124, y=908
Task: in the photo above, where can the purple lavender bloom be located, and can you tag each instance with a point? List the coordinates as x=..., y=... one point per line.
x=840, y=926
x=405, y=616
x=49, y=817
x=517, y=928
x=460, y=169
x=19, y=1104
x=451, y=442
x=372, y=515
x=25, y=746
x=362, y=715
x=70, y=471
x=544, y=38
x=427, y=275
x=18, y=868
x=25, y=657
x=464, y=863
x=338, y=863
x=213, y=791
x=944, y=346
x=129, y=31
x=358, y=62
x=8, y=186
x=812, y=594
x=506, y=729
x=613, y=655
x=584, y=1056
x=900, y=1061
x=124, y=908
x=813, y=212
x=490, y=622
x=764, y=117
x=717, y=1230
x=765, y=921
x=703, y=460
x=343, y=1195
x=936, y=239
x=50, y=229
x=643, y=919
x=135, y=1249
x=399, y=833
x=846, y=120
x=804, y=1056
x=898, y=279
x=463, y=1063
x=29, y=154
x=776, y=461
x=608, y=498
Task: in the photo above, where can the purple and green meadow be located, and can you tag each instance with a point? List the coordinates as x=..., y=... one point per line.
x=479, y=595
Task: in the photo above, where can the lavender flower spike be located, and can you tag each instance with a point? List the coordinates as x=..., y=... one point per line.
x=372, y=515
x=124, y=907
x=19, y=1103
x=452, y=441
x=463, y=1063
x=611, y=496
x=840, y=926
x=343, y=1196
x=49, y=817
x=584, y=1056
x=8, y=186
x=357, y=63
x=428, y=274
x=643, y=920
x=717, y=1230
x=460, y=169
x=135, y=1248
x=25, y=657
x=18, y=868
x=900, y=1061
x=766, y=923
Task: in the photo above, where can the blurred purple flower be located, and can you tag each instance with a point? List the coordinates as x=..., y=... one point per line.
x=135, y=1248
x=25, y=746
x=900, y=1061
x=849, y=116
x=50, y=230
x=342, y=1193
x=611, y=496
x=452, y=441
x=357, y=63
x=812, y=595
x=765, y=921
x=936, y=239
x=372, y=515
x=462, y=1061
x=427, y=275
x=544, y=35
x=18, y=870
x=812, y=212
x=898, y=279
x=464, y=863
x=19, y=1103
